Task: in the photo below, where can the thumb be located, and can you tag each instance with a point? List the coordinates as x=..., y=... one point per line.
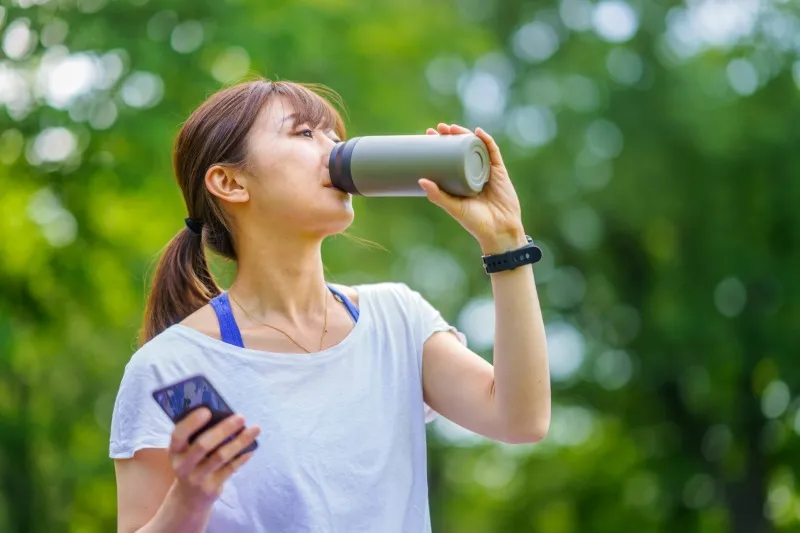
x=449, y=203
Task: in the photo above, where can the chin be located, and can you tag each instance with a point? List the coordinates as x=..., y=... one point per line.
x=334, y=221
x=341, y=223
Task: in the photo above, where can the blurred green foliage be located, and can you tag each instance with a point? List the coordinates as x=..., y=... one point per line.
x=653, y=145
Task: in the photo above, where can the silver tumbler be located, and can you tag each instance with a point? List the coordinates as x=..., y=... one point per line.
x=391, y=165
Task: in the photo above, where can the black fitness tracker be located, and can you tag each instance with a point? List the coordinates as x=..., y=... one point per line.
x=528, y=254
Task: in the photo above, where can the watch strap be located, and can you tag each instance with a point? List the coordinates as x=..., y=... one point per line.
x=526, y=255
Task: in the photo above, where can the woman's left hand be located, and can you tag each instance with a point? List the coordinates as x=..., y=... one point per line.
x=494, y=216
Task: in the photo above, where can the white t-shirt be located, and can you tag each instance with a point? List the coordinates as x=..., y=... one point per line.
x=342, y=444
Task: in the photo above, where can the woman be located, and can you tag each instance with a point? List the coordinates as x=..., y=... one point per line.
x=337, y=382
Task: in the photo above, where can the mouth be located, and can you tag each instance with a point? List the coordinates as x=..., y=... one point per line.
x=327, y=183
x=336, y=190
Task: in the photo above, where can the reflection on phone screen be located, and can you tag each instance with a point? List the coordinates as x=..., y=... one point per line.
x=189, y=394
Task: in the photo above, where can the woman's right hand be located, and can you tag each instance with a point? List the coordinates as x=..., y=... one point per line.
x=200, y=476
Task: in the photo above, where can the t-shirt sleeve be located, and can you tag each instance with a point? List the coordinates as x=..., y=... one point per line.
x=137, y=421
x=429, y=321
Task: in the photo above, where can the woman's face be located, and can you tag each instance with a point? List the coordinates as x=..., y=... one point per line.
x=289, y=183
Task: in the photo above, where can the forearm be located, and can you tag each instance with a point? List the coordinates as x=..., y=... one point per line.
x=521, y=372
x=175, y=516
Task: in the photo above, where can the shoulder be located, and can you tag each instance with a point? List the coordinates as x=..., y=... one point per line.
x=352, y=293
x=203, y=320
x=164, y=347
x=380, y=291
x=389, y=296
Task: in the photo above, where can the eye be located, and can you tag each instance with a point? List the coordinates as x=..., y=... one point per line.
x=307, y=133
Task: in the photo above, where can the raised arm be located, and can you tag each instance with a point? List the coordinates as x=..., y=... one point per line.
x=509, y=401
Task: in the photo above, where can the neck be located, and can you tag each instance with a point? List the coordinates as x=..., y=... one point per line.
x=281, y=277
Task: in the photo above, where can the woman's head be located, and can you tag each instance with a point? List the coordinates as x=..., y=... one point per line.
x=252, y=158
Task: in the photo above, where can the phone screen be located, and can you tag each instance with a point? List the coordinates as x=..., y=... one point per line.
x=183, y=397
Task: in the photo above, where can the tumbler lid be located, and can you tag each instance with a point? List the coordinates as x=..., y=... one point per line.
x=476, y=165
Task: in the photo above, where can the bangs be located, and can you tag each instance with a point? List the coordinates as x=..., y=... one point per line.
x=312, y=105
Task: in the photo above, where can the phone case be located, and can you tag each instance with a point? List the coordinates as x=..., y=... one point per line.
x=179, y=399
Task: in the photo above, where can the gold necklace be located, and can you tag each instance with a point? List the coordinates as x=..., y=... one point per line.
x=324, y=324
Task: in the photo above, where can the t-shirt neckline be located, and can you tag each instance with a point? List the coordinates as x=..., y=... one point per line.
x=331, y=351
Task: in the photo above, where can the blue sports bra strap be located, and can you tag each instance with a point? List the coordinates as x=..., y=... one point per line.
x=228, y=329
x=352, y=309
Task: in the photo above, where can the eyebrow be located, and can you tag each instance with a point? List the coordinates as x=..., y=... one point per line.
x=291, y=117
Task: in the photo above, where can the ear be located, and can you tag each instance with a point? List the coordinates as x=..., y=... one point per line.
x=227, y=184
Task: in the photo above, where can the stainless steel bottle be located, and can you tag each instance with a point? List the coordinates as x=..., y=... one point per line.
x=391, y=165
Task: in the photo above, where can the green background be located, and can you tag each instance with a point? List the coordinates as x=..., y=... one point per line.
x=654, y=148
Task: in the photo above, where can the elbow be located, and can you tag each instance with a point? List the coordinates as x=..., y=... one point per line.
x=530, y=433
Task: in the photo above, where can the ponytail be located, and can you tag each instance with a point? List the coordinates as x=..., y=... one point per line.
x=182, y=284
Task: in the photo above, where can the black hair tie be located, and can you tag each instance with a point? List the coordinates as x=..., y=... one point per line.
x=195, y=226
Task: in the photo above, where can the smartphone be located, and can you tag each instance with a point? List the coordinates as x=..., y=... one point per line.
x=179, y=399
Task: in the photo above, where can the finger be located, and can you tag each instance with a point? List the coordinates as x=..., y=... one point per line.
x=225, y=453
x=443, y=128
x=494, y=151
x=186, y=428
x=456, y=129
x=449, y=203
x=227, y=471
x=210, y=439
x=431, y=131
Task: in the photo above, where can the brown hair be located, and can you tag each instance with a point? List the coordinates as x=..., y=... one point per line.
x=216, y=133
